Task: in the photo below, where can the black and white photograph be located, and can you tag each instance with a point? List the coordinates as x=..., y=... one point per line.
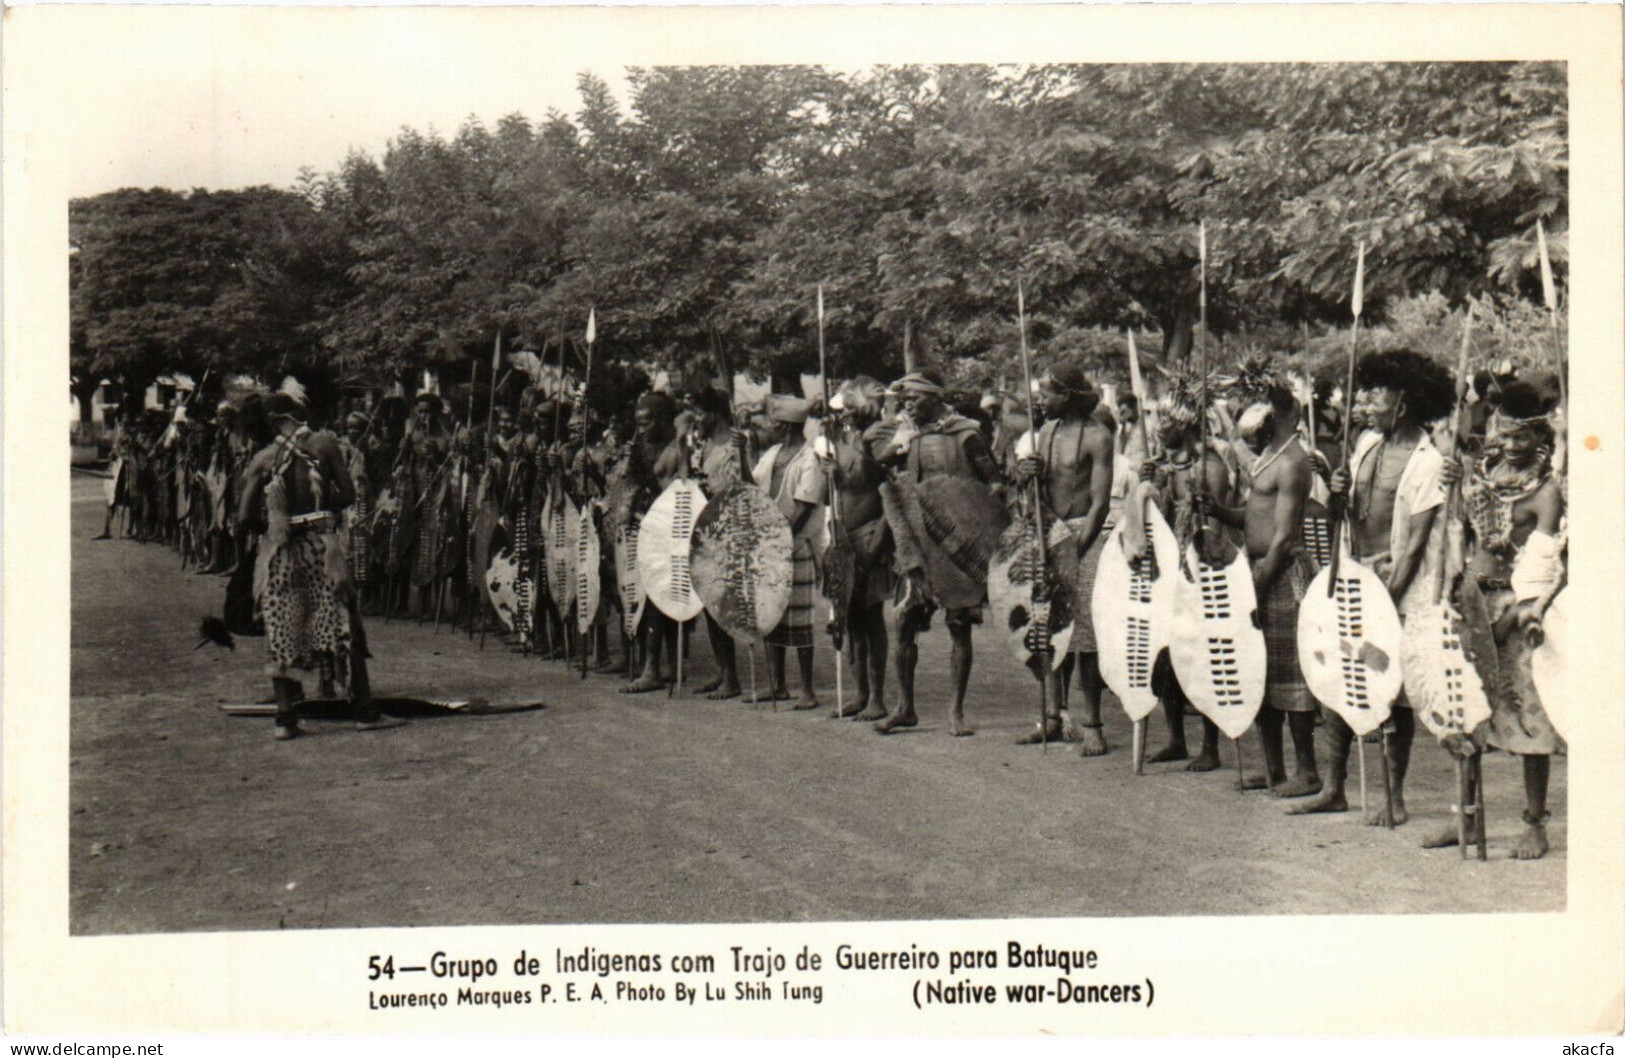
x=671, y=493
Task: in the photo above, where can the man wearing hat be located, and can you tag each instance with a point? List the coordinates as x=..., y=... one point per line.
x=933, y=441
x=1072, y=462
x=790, y=475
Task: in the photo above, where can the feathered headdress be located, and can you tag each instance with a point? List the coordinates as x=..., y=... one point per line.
x=1181, y=400
x=1255, y=381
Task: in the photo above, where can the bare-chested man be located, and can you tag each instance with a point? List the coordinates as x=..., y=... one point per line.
x=1394, y=492
x=857, y=474
x=1272, y=523
x=296, y=488
x=1073, y=466
x=655, y=458
x=933, y=440
x=1515, y=561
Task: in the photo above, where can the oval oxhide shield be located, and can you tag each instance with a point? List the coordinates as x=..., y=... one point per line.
x=1214, y=642
x=627, y=582
x=949, y=527
x=1549, y=663
x=1130, y=609
x=584, y=574
x=663, y=549
x=740, y=561
x=559, y=515
x=1439, y=678
x=1349, y=643
x=1033, y=608
x=502, y=587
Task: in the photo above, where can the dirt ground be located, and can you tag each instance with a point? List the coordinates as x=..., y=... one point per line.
x=608, y=808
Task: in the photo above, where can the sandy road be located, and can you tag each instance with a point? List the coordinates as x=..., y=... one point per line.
x=607, y=808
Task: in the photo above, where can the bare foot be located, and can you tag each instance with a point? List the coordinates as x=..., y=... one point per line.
x=853, y=708
x=287, y=732
x=801, y=705
x=1050, y=731
x=1252, y=782
x=1329, y=801
x=722, y=694
x=643, y=685
x=772, y=694
x=1300, y=785
x=876, y=711
x=1444, y=839
x=1204, y=761
x=707, y=687
x=1091, y=740
x=1532, y=845
x=896, y=721
x=1170, y=752
x=1379, y=818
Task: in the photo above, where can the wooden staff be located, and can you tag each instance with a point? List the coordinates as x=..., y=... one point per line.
x=1046, y=655
x=829, y=486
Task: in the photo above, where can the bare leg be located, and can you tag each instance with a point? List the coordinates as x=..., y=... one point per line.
x=1331, y=797
x=1537, y=774
x=1090, y=735
x=961, y=658
x=804, y=666
x=873, y=642
x=1053, y=729
x=1305, y=776
x=1208, y=759
x=1173, y=711
x=287, y=696
x=726, y=685
x=776, y=683
x=652, y=635
x=1399, y=759
x=1271, y=725
x=908, y=655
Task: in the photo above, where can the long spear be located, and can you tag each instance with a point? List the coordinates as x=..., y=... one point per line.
x=1201, y=458
x=477, y=577
x=829, y=485
x=1137, y=387
x=586, y=380
x=1042, y=575
x=1452, y=498
x=1548, y=289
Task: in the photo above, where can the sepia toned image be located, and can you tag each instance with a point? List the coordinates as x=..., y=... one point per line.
x=872, y=500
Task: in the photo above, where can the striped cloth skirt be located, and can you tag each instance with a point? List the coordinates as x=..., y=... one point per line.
x=795, y=629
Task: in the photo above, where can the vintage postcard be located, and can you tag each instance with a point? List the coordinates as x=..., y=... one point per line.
x=949, y=521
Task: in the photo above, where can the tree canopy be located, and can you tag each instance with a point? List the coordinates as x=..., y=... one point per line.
x=698, y=218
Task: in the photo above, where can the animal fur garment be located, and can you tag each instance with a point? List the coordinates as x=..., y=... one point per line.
x=741, y=561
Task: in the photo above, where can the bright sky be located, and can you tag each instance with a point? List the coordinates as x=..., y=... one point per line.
x=232, y=99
